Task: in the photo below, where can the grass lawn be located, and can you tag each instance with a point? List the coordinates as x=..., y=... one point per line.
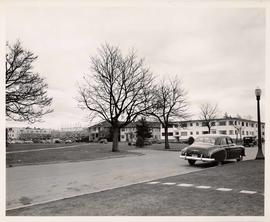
x=19, y=147
x=71, y=152
x=162, y=200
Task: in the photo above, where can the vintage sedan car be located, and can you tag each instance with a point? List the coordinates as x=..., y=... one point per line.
x=212, y=147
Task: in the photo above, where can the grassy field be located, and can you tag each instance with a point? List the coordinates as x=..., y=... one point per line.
x=26, y=154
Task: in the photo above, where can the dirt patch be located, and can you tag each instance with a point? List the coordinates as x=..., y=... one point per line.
x=25, y=200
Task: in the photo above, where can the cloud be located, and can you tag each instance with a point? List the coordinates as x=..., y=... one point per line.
x=218, y=52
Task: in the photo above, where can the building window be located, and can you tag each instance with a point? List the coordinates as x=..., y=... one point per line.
x=263, y=126
x=183, y=125
x=191, y=124
x=214, y=132
x=197, y=124
x=252, y=125
x=247, y=133
x=197, y=132
x=204, y=123
x=247, y=124
x=169, y=134
x=236, y=132
x=222, y=123
x=123, y=129
x=223, y=132
x=263, y=133
x=213, y=123
x=183, y=133
x=176, y=133
x=230, y=123
x=243, y=132
x=123, y=136
x=191, y=133
x=231, y=132
x=243, y=124
x=204, y=132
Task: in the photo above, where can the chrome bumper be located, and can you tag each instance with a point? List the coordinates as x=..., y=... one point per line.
x=196, y=158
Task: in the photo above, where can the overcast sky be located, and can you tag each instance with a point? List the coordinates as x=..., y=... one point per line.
x=219, y=53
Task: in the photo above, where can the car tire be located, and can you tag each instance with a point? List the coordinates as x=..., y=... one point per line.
x=240, y=158
x=191, y=162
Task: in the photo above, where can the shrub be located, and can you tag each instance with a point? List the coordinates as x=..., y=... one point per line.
x=190, y=140
x=139, y=141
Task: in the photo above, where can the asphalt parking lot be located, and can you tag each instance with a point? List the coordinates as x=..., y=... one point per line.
x=227, y=190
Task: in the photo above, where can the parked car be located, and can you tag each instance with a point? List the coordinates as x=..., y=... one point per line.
x=28, y=142
x=212, y=148
x=249, y=141
x=68, y=141
x=58, y=141
x=103, y=141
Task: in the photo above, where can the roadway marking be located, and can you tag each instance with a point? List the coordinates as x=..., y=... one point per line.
x=185, y=185
x=224, y=189
x=168, y=183
x=154, y=182
x=248, y=191
x=203, y=187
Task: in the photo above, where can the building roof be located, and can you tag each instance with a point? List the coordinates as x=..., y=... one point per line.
x=217, y=119
x=130, y=125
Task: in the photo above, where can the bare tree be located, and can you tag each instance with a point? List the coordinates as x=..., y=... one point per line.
x=118, y=90
x=26, y=92
x=170, y=103
x=208, y=113
x=239, y=127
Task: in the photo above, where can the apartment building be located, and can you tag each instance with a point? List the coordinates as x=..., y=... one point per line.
x=99, y=131
x=236, y=128
x=126, y=134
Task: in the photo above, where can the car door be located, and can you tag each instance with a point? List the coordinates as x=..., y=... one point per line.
x=224, y=145
x=233, y=151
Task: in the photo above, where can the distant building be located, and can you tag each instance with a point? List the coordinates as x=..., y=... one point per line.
x=99, y=131
x=27, y=133
x=236, y=128
x=127, y=133
x=72, y=133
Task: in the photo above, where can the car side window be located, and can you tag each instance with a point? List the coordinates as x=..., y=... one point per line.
x=223, y=141
x=229, y=141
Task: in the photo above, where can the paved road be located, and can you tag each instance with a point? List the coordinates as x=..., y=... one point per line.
x=28, y=185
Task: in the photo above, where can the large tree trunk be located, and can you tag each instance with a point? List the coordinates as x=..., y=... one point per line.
x=6, y=137
x=209, y=129
x=115, y=147
x=167, y=145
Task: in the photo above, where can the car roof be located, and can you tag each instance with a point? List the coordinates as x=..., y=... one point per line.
x=213, y=135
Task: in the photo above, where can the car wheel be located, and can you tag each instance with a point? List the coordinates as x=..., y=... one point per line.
x=239, y=159
x=191, y=162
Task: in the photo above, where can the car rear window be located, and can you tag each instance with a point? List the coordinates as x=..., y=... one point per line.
x=206, y=140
